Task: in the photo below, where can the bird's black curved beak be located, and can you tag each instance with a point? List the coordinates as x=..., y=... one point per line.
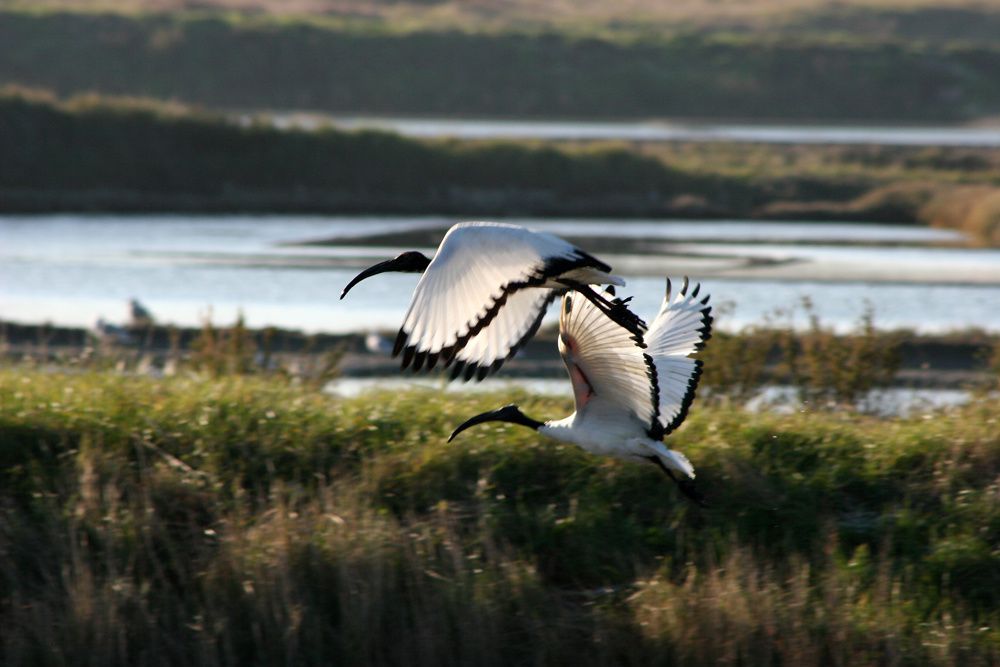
x=508, y=413
x=408, y=262
x=381, y=267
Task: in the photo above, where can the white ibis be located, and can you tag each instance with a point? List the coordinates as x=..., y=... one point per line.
x=629, y=393
x=485, y=292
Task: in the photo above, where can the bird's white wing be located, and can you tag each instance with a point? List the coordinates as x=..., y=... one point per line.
x=680, y=329
x=476, y=274
x=606, y=363
x=517, y=321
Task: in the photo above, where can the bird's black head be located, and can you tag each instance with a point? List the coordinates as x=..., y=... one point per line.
x=408, y=262
x=508, y=413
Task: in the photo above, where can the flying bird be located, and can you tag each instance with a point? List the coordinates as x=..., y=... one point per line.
x=629, y=393
x=485, y=292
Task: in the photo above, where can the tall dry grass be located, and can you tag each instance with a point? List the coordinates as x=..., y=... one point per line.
x=246, y=520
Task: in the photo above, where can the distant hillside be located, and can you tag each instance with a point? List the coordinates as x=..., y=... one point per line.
x=368, y=68
x=94, y=154
x=938, y=21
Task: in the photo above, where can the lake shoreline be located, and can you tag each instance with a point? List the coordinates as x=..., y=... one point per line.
x=502, y=202
x=955, y=361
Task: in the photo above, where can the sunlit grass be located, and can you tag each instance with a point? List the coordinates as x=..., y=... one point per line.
x=244, y=519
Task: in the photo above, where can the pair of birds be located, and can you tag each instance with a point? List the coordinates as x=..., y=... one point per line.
x=484, y=294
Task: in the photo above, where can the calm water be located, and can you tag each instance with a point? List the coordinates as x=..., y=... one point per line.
x=652, y=131
x=71, y=269
x=900, y=401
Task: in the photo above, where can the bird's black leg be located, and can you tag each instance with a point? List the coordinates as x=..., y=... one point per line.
x=685, y=486
x=615, y=309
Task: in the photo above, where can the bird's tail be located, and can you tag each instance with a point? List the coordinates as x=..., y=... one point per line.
x=671, y=459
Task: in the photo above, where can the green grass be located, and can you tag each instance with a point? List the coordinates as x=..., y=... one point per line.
x=938, y=21
x=350, y=64
x=240, y=520
x=92, y=153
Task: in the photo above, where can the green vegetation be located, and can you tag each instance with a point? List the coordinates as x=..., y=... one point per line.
x=823, y=367
x=243, y=521
x=353, y=64
x=930, y=20
x=136, y=155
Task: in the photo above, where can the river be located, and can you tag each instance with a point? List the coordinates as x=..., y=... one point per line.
x=483, y=129
x=72, y=269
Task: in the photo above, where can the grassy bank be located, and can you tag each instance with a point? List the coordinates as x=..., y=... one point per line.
x=521, y=70
x=95, y=154
x=238, y=521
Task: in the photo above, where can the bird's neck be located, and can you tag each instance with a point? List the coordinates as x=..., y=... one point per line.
x=561, y=429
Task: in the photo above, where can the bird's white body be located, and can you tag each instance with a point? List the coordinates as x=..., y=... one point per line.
x=629, y=392
x=606, y=431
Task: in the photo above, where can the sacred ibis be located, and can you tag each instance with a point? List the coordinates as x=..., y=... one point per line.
x=629, y=392
x=484, y=294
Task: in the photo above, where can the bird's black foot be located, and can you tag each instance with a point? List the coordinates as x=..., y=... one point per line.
x=685, y=486
x=616, y=309
x=621, y=315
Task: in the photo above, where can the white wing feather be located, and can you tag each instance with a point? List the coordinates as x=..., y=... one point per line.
x=680, y=329
x=611, y=361
x=476, y=275
x=516, y=322
x=653, y=379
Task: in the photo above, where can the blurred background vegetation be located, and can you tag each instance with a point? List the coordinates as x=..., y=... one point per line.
x=97, y=154
x=767, y=60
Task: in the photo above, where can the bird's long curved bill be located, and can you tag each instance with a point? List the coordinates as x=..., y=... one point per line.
x=381, y=267
x=492, y=415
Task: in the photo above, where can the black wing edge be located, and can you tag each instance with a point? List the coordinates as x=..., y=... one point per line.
x=478, y=372
x=656, y=430
x=426, y=359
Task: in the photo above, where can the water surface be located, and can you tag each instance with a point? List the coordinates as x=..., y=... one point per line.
x=649, y=131
x=71, y=269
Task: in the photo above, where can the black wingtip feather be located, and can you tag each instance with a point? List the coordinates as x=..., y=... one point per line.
x=470, y=371
x=418, y=361
x=432, y=360
x=400, y=342
x=408, y=353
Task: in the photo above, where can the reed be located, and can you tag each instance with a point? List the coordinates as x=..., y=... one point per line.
x=243, y=519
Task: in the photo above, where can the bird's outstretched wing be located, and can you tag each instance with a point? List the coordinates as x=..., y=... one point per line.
x=481, y=297
x=680, y=329
x=490, y=348
x=606, y=363
x=652, y=377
